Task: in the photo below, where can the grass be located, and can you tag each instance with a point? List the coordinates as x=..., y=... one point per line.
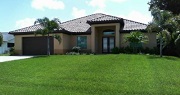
x=91, y=74
x=7, y=54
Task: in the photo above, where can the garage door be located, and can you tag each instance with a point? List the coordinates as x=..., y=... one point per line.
x=36, y=45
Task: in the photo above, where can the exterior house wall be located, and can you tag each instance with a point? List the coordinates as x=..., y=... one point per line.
x=3, y=47
x=6, y=39
x=67, y=42
x=152, y=40
x=99, y=33
x=150, y=44
x=96, y=35
x=74, y=42
x=58, y=48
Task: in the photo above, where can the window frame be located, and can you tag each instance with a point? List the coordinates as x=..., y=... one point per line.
x=85, y=42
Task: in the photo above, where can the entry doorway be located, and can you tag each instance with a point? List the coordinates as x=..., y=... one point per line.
x=108, y=43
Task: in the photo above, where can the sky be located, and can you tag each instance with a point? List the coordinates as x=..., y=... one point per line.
x=16, y=14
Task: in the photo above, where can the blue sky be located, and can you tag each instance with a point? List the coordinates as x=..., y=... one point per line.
x=17, y=14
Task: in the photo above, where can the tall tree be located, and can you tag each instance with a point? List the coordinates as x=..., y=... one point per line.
x=49, y=26
x=1, y=38
x=170, y=5
x=166, y=25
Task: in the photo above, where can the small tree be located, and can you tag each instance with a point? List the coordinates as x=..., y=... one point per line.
x=49, y=26
x=136, y=39
x=1, y=38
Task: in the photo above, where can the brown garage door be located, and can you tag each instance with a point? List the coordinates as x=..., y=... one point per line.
x=36, y=45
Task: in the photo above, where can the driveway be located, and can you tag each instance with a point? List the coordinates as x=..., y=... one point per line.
x=11, y=58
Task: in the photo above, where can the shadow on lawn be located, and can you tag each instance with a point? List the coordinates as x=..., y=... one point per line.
x=164, y=57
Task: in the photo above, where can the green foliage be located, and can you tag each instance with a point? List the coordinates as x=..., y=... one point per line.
x=76, y=49
x=178, y=45
x=115, y=50
x=166, y=25
x=122, y=74
x=12, y=52
x=169, y=5
x=136, y=39
x=57, y=37
x=49, y=26
x=1, y=39
x=130, y=50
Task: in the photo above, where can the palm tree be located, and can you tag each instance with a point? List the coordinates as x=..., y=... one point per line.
x=1, y=38
x=165, y=24
x=136, y=39
x=49, y=26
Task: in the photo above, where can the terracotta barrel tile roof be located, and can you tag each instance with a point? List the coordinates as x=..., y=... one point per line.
x=105, y=18
x=132, y=25
x=83, y=24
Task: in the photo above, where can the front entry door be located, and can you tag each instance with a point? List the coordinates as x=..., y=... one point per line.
x=108, y=44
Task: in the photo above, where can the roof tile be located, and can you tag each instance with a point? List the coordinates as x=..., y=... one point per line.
x=81, y=24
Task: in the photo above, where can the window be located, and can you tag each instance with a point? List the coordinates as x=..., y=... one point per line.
x=108, y=32
x=82, y=42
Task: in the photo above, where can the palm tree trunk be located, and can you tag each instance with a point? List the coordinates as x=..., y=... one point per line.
x=48, y=47
x=161, y=44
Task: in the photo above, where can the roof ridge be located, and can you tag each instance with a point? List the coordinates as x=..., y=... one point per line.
x=81, y=17
x=135, y=21
x=107, y=15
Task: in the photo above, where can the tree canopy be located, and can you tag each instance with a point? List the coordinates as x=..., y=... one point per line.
x=167, y=25
x=49, y=26
x=170, y=5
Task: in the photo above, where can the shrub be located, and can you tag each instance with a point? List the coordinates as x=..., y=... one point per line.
x=72, y=53
x=128, y=50
x=76, y=49
x=178, y=47
x=12, y=52
x=115, y=50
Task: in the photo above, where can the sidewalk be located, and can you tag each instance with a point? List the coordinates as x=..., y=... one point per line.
x=11, y=58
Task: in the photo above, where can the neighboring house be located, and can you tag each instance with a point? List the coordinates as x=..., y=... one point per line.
x=97, y=33
x=7, y=40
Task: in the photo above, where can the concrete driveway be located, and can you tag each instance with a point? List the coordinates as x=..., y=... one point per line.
x=11, y=58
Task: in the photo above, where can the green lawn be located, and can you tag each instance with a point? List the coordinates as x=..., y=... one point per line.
x=91, y=74
x=7, y=54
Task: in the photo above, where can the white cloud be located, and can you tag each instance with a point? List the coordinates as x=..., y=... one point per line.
x=49, y=4
x=102, y=3
x=78, y=12
x=138, y=16
x=97, y=3
x=25, y=22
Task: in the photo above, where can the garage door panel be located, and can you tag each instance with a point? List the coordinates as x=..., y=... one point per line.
x=36, y=45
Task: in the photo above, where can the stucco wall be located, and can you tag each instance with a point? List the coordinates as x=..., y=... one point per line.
x=74, y=42
x=67, y=42
x=58, y=47
x=18, y=44
x=150, y=44
x=96, y=44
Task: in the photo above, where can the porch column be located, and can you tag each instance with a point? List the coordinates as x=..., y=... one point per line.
x=93, y=39
x=117, y=37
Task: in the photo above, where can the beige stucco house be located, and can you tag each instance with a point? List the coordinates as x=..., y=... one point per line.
x=97, y=33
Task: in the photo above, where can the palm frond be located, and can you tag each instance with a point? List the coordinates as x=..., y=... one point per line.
x=57, y=37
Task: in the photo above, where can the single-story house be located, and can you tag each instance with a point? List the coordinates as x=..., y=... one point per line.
x=97, y=33
x=8, y=42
